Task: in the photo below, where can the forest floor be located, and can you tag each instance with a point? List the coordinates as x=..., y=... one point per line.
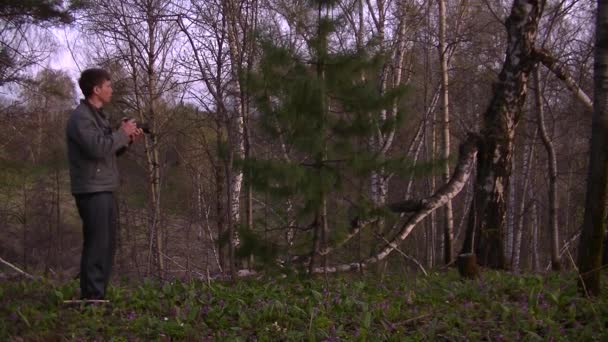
x=441, y=306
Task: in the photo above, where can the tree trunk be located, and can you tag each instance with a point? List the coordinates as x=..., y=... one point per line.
x=535, y=238
x=215, y=80
x=488, y=212
x=136, y=35
x=448, y=233
x=552, y=161
x=59, y=218
x=321, y=232
x=432, y=236
x=203, y=209
x=521, y=213
x=237, y=25
x=289, y=205
x=153, y=148
x=430, y=232
x=249, y=209
x=380, y=142
x=510, y=229
x=594, y=222
x=154, y=227
x=234, y=200
x=220, y=207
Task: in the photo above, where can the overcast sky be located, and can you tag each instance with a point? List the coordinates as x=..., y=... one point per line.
x=62, y=59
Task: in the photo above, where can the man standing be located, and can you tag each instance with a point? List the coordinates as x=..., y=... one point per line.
x=92, y=150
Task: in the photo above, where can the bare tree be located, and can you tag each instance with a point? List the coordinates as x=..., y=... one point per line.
x=448, y=235
x=487, y=217
x=594, y=224
x=524, y=201
x=552, y=161
x=24, y=42
x=22, y=47
x=240, y=18
x=141, y=36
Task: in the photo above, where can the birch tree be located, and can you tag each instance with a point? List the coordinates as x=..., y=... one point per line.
x=552, y=168
x=524, y=202
x=487, y=217
x=206, y=62
x=221, y=53
x=448, y=233
x=141, y=35
x=240, y=18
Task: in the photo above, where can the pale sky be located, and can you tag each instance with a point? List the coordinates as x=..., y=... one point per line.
x=62, y=58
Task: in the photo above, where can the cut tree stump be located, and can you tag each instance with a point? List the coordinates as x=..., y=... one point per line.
x=467, y=265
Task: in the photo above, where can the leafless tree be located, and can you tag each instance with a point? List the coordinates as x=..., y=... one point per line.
x=594, y=224
x=487, y=217
x=141, y=36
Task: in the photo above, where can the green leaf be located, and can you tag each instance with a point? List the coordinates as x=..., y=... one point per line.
x=367, y=320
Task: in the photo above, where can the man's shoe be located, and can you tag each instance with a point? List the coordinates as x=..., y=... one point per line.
x=87, y=302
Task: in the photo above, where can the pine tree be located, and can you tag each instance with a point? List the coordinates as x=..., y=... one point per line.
x=320, y=109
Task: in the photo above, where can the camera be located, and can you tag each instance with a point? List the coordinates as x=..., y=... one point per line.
x=144, y=126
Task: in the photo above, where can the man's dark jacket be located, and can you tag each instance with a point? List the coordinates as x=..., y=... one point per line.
x=92, y=149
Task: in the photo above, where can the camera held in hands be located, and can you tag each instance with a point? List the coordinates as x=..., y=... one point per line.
x=144, y=126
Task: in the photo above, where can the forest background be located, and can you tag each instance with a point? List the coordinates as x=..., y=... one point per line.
x=229, y=179
x=292, y=137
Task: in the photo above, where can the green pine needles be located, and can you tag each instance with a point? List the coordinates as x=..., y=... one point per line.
x=322, y=109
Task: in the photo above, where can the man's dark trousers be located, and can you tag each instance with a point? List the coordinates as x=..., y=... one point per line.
x=98, y=213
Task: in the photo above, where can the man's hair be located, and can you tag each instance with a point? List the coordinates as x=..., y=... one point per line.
x=91, y=78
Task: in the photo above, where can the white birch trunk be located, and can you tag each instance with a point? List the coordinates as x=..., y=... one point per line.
x=528, y=159
x=500, y=121
x=552, y=161
x=448, y=234
x=379, y=142
x=232, y=16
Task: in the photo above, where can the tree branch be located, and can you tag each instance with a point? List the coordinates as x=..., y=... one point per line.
x=17, y=269
x=464, y=168
x=561, y=72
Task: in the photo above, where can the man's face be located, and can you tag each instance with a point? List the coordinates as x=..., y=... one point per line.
x=104, y=91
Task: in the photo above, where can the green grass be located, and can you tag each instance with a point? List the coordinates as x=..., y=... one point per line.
x=441, y=306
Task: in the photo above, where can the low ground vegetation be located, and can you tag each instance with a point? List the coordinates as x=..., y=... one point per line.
x=441, y=306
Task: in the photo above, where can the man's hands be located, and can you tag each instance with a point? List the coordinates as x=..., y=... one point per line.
x=130, y=128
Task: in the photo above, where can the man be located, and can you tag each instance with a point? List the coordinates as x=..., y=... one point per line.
x=92, y=150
